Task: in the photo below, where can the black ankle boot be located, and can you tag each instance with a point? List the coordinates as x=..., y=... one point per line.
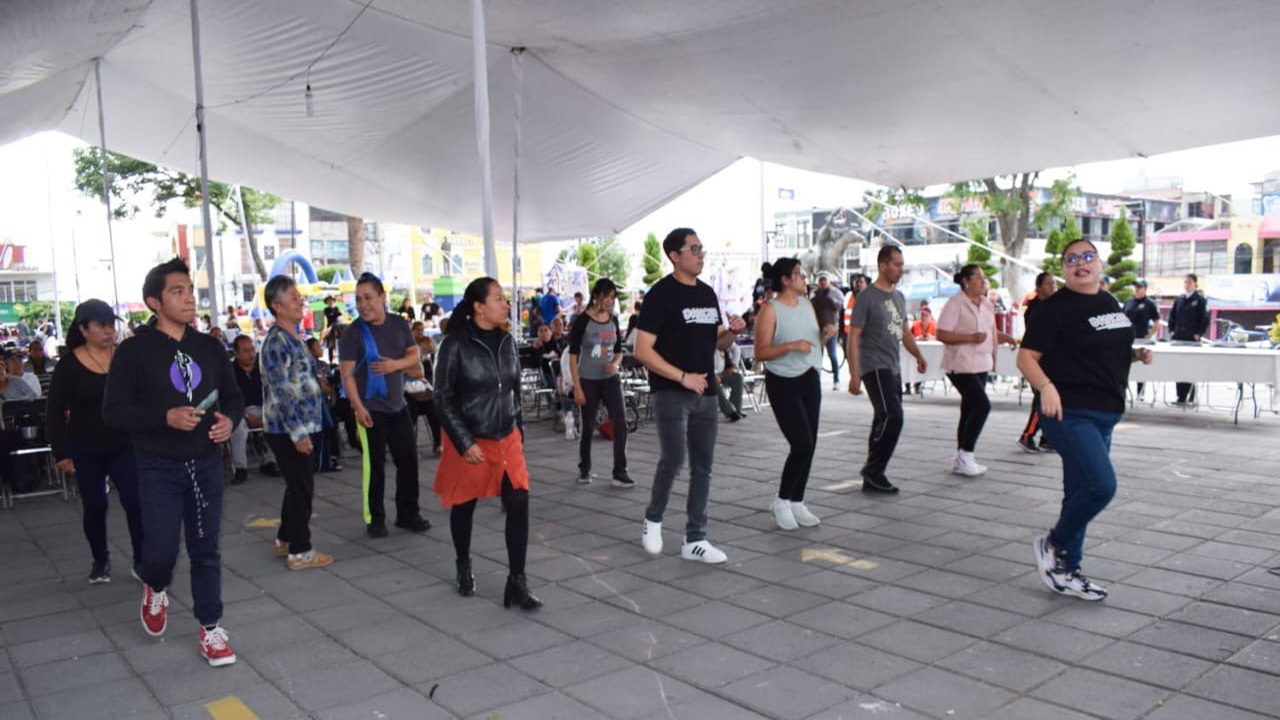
x=518, y=594
x=466, y=581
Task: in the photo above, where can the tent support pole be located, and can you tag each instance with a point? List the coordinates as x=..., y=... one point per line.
x=480, y=58
x=204, y=165
x=517, y=69
x=106, y=181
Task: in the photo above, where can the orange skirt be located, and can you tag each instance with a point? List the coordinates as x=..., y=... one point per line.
x=458, y=481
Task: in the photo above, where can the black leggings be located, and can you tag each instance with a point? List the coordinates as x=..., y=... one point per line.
x=517, y=504
x=974, y=407
x=796, y=402
x=608, y=391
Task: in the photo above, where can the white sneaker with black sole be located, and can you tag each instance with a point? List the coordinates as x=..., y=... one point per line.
x=584, y=478
x=651, y=538
x=702, y=551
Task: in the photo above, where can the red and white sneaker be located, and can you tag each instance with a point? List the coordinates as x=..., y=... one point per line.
x=155, y=611
x=214, y=647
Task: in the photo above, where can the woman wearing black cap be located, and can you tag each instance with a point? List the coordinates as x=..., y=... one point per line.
x=82, y=444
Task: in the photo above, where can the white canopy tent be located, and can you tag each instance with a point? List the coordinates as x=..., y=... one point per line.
x=626, y=105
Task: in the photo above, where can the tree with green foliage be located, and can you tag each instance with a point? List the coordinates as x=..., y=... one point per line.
x=1059, y=238
x=1009, y=200
x=652, y=260
x=978, y=252
x=327, y=273
x=38, y=311
x=601, y=257
x=132, y=178
x=1123, y=271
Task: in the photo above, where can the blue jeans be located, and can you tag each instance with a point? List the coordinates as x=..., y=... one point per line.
x=92, y=471
x=832, y=344
x=1083, y=441
x=187, y=495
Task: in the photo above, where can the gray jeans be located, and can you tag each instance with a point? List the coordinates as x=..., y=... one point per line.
x=684, y=420
x=240, y=439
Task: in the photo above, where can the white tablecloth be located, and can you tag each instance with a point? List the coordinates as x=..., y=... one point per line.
x=1169, y=363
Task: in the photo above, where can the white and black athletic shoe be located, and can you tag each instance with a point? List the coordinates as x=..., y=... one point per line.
x=100, y=573
x=702, y=551
x=1052, y=568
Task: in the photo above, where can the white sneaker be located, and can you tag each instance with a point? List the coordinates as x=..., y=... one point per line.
x=803, y=517
x=652, y=537
x=965, y=465
x=702, y=551
x=781, y=510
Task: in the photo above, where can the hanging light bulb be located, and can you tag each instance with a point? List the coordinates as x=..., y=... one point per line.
x=311, y=112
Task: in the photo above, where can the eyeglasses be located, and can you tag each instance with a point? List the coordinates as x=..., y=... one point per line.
x=696, y=250
x=1081, y=259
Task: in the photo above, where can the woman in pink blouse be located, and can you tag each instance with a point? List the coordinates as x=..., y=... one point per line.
x=967, y=327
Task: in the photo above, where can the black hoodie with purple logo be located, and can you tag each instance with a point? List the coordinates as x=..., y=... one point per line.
x=152, y=373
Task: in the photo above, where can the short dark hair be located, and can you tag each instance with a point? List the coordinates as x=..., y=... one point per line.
x=1041, y=278
x=236, y=343
x=153, y=283
x=965, y=273
x=781, y=268
x=275, y=289
x=1077, y=241
x=1193, y=278
x=674, y=242
x=886, y=253
x=312, y=342
x=368, y=278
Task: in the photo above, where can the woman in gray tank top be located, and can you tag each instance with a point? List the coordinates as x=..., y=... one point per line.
x=595, y=352
x=790, y=342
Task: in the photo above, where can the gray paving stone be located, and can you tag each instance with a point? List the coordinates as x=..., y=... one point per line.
x=777, y=601
x=402, y=703
x=1191, y=639
x=1185, y=707
x=1003, y=666
x=1056, y=641
x=123, y=698
x=1101, y=619
x=1242, y=621
x=1100, y=694
x=715, y=619
x=857, y=666
x=10, y=689
x=1149, y=665
x=863, y=707
x=312, y=656
x=842, y=619
x=969, y=618
x=711, y=665
x=17, y=711
x=1028, y=708
x=44, y=627
x=784, y=692
x=569, y=664
x=543, y=707
x=916, y=641
x=780, y=641
x=1241, y=687
x=944, y=694
x=63, y=647
x=631, y=693
x=706, y=707
x=646, y=642
x=263, y=700
x=342, y=685
x=76, y=673
x=1261, y=655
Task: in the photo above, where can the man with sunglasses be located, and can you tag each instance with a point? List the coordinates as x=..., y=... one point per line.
x=172, y=389
x=678, y=335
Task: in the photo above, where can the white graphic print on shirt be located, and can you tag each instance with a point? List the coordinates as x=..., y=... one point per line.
x=1110, y=321
x=895, y=318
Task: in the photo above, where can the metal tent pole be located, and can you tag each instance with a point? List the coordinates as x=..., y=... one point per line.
x=204, y=165
x=481, y=69
x=517, y=69
x=106, y=181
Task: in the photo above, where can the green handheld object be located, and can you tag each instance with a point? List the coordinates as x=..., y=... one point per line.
x=208, y=400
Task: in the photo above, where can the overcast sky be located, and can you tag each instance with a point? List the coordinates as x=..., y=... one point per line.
x=38, y=199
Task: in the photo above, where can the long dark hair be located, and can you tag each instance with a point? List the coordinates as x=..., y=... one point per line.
x=781, y=268
x=75, y=336
x=464, y=315
x=602, y=288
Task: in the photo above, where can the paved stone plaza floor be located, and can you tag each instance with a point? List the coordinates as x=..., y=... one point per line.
x=923, y=605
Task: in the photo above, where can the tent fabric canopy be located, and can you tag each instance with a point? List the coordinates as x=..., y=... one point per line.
x=627, y=105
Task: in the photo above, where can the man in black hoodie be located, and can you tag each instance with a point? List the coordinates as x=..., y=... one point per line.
x=172, y=389
x=1188, y=321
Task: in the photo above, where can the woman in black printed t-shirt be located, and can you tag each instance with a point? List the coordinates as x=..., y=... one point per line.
x=1077, y=356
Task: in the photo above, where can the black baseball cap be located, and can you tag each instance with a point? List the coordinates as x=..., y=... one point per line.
x=94, y=310
x=1140, y=282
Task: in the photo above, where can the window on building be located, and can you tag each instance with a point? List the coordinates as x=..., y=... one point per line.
x=317, y=250
x=1170, y=259
x=269, y=252
x=1211, y=257
x=1243, y=259
x=1086, y=226
x=427, y=265
x=338, y=250
x=1270, y=255
x=6, y=292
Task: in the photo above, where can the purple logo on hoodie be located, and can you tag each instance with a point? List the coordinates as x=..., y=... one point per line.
x=185, y=373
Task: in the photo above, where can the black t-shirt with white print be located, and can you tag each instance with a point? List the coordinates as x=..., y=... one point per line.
x=686, y=320
x=1086, y=343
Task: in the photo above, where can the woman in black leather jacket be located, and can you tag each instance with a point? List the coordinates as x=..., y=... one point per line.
x=478, y=397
